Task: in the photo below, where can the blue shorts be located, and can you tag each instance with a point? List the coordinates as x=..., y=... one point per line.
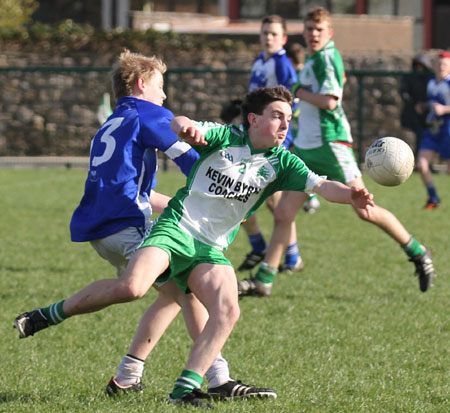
x=439, y=143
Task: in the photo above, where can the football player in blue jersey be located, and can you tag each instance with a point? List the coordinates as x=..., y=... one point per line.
x=437, y=135
x=272, y=68
x=114, y=216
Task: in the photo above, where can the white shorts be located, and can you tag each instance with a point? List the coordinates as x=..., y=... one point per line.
x=118, y=248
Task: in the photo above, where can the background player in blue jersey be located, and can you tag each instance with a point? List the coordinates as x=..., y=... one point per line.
x=437, y=136
x=114, y=215
x=272, y=68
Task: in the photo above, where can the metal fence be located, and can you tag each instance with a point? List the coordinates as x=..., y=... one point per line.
x=53, y=110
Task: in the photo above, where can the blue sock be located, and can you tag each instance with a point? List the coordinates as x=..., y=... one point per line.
x=291, y=255
x=432, y=193
x=257, y=242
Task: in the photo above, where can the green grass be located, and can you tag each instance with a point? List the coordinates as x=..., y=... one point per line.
x=351, y=333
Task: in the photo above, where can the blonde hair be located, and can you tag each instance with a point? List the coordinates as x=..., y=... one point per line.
x=131, y=66
x=318, y=14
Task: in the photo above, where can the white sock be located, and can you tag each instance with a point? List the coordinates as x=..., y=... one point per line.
x=218, y=373
x=130, y=371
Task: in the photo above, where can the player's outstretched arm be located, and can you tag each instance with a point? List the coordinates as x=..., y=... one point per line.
x=334, y=191
x=186, y=130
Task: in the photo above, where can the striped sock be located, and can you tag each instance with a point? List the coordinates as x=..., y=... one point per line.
x=54, y=313
x=413, y=248
x=186, y=382
x=266, y=273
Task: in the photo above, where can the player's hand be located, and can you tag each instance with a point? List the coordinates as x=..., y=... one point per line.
x=361, y=198
x=439, y=109
x=192, y=135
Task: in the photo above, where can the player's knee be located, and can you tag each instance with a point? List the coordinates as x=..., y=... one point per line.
x=282, y=216
x=271, y=204
x=231, y=317
x=126, y=291
x=422, y=164
x=184, y=300
x=235, y=313
x=229, y=312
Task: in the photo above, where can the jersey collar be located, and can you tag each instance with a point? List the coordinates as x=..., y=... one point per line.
x=329, y=45
x=279, y=53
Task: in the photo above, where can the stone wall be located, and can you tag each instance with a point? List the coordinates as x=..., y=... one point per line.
x=46, y=112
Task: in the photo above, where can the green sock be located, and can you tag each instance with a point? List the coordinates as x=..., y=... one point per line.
x=266, y=273
x=413, y=248
x=186, y=382
x=55, y=313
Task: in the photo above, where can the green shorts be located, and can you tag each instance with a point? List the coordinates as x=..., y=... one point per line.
x=336, y=160
x=185, y=252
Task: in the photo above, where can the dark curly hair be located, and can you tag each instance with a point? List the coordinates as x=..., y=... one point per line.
x=257, y=100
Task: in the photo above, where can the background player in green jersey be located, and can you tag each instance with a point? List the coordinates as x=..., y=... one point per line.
x=296, y=54
x=324, y=143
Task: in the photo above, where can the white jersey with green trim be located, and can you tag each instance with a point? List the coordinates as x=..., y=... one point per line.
x=230, y=181
x=323, y=73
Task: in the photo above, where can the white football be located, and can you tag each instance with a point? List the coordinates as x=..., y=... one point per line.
x=389, y=161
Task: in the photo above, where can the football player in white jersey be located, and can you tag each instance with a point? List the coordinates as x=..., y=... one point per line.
x=239, y=167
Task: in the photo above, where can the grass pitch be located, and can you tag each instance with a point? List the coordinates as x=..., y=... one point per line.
x=351, y=333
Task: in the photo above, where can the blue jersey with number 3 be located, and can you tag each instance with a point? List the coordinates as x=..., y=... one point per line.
x=123, y=166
